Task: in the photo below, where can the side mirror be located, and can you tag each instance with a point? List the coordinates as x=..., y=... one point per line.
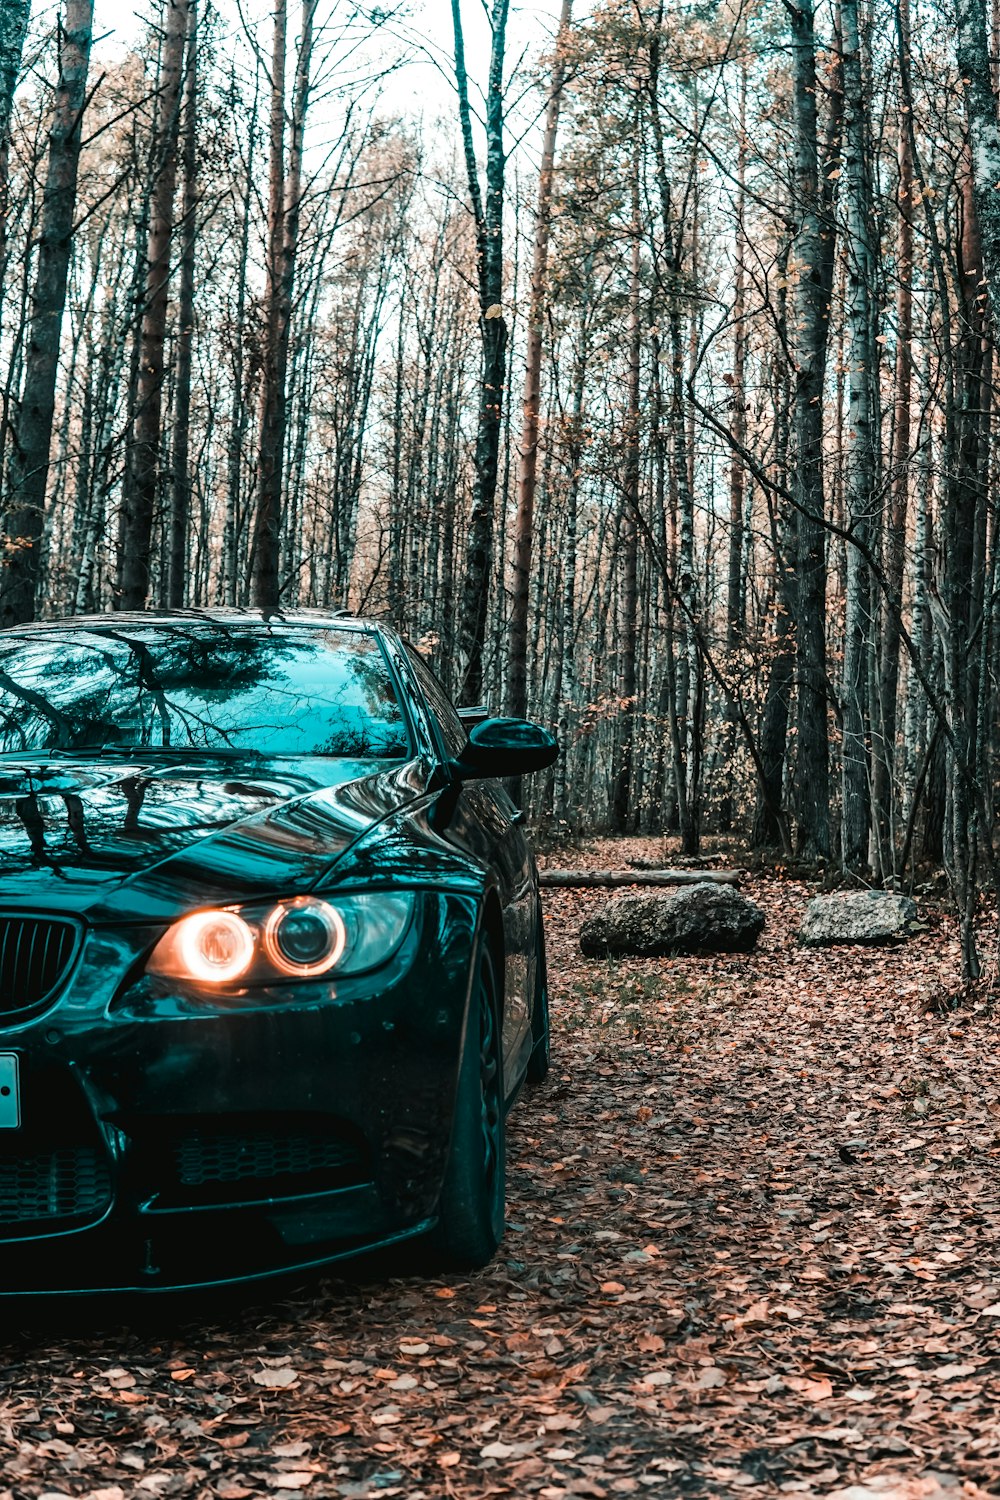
x=505, y=747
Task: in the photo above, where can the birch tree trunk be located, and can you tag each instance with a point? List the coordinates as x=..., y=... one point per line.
x=737, y=476
x=984, y=134
x=144, y=468
x=29, y=460
x=488, y=216
x=884, y=747
x=964, y=525
x=859, y=461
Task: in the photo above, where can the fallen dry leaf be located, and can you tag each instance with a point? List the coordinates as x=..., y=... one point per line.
x=705, y=1299
x=278, y=1379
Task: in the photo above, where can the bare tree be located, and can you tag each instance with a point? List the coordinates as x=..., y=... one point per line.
x=884, y=742
x=29, y=459
x=517, y=658
x=860, y=458
x=14, y=17
x=813, y=250
x=144, y=467
x=487, y=212
x=284, y=210
x=984, y=130
x=180, y=476
x=621, y=806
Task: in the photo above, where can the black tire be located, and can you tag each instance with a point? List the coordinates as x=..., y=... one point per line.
x=541, y=1040
x=473, y=1199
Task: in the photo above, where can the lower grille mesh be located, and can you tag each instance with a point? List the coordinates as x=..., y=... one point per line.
x=204, y=1158
x=68, y=1182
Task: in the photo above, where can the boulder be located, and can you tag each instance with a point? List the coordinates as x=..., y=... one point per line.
x=857, y=917
x=704, y=918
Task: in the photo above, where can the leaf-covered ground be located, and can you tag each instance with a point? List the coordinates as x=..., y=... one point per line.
x=754, y=1247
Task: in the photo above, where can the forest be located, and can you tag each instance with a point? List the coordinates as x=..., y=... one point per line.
x=650, y=388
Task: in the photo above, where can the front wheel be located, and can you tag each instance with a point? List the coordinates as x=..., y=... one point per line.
x=473, y=1199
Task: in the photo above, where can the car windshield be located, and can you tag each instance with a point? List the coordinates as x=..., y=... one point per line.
x=277, y=690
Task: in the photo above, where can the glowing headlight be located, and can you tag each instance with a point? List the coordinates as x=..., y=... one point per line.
x=304, y=937
x=215, y=947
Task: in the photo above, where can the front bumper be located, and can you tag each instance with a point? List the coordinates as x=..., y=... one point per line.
x=170, y=1141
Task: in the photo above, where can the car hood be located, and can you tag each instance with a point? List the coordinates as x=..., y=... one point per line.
x=142, y=839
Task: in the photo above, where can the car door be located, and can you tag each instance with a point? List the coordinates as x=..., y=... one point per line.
x=488, y=824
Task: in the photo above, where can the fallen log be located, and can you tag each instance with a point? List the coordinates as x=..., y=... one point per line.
x=583, y=878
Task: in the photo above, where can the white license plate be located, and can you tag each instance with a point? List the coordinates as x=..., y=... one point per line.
x=10, y=1093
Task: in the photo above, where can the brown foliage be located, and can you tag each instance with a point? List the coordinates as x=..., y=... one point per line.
x=752, y=1249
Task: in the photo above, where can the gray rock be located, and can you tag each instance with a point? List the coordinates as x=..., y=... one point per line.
x=857, y=917
x=703, y=918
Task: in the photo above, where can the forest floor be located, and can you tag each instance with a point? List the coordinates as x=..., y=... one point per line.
x=754, y=1248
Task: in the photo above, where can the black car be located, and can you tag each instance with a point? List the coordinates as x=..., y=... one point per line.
x=271, y=959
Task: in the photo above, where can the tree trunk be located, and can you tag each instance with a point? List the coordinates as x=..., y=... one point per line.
x=14, y=17
x=29, y=460
x=884, y=748
x=681, y=686
x=233, y=584
x=960, y=611
x=517, y=659
x=813, y=251
x=284, y=209
x=139, y=502
x=180, y=473
x=859, y=464
x=625, y=724
x=267, y=519
x=770, y=826
x=488, y=215
x=568, y=601
x=737, y=476
x=984, y=135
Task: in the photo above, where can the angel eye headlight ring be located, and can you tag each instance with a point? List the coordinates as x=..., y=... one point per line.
x=216, y=947
x=304, y=937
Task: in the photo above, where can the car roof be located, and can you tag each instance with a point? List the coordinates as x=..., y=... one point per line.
x=320, y=618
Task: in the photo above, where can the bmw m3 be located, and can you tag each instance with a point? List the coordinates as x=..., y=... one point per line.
x=272, y=970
